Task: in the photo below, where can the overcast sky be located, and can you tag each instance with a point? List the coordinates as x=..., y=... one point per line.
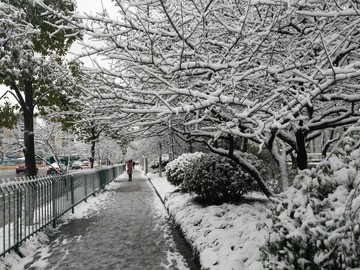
x=94, y=5
x=91, y=7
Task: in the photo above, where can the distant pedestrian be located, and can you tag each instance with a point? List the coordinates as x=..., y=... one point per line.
x=129, y=168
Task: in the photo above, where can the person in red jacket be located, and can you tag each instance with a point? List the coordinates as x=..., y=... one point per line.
x=129, y=168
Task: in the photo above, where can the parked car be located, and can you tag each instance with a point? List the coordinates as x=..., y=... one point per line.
x=76, y=165
x=22, y=168
x=55, y=169
x=85, y=164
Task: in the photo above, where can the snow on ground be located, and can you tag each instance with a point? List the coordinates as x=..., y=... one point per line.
x=31, y=247
x=37, y=244
x=225, y=237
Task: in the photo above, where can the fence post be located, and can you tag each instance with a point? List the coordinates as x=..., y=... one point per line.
x=72, y=190
x=30, y=204
x=54, y=202
x=102, y=176
x=17, y=222
x=3, y=202
x=146, y=165
x=93, y=184
x=85, y=187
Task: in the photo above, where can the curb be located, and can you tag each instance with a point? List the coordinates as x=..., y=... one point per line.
x=193, y=249
x=157, y=193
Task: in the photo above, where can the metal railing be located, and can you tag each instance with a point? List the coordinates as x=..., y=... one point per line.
x=29, y=205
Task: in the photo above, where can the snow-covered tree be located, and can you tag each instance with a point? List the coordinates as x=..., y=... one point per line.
x=275, y=74
x=89, y=123
x=47, y=134
x=315, y=223
x=109, y=151
x=8, y=115
x=31, y=51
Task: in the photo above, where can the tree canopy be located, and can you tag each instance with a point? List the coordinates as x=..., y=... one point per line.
x=275, y=73
x=31, y=53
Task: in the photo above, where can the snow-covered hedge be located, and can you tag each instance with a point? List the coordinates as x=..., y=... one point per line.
x=316, y=224
x=164, y=161
x=217, y=179
x=176, y=169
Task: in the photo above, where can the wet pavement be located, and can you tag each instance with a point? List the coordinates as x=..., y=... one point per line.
x=130, y=231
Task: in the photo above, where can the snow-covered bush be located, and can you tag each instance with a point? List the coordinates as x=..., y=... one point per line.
x=270, y=171
x=217, y=179
x=316, y=223
x=164, y=161
x=175, y=170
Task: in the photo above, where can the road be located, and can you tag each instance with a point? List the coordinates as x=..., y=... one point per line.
x=11, y=174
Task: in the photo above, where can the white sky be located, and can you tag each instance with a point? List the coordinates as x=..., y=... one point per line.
x=91, y=7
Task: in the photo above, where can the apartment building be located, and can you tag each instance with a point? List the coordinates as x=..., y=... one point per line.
x=9, y=148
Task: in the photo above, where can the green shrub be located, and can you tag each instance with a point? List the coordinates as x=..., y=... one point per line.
x=164, y=161
x=271, y=169
x=217, y=179
x=176, y=169
x=316, y=223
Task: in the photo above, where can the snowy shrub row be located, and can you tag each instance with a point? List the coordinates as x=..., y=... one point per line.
x=316, y=223
x=176, y=169
x=164, y=161
x=213, y=178
x=218, y=179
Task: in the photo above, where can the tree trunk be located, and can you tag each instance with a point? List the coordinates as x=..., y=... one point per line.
x=29, y=148
x=172, y=146
x=245, y=145
x=301, y=150
x=29, y=145
x=245, y=165
x=280, y=159
x=160, y=160
x=191, y=148
x=250, y=169
x=93, y=142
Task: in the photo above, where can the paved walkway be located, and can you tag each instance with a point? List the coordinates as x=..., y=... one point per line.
x=131, y=232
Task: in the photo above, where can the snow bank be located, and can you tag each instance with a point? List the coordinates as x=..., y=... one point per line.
x=224, y=237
